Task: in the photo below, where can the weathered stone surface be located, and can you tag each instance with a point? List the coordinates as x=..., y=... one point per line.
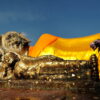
x=14, y=66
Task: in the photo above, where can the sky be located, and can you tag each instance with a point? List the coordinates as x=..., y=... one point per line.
x=63, y=18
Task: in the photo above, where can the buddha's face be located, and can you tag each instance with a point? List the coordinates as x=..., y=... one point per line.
x=15, y=41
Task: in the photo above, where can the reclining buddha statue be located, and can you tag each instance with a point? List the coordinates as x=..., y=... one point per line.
x=51, y=58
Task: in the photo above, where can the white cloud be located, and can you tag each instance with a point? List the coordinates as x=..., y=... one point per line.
x=17, y=16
